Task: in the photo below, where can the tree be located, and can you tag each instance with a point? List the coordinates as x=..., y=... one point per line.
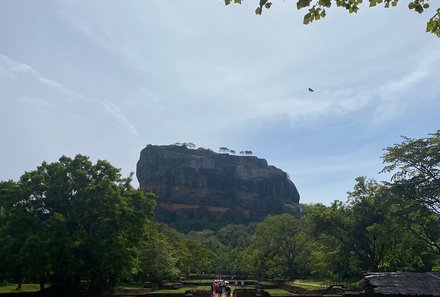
x=416, y=167
x=367, y=230
x=317, y=9
x=278, y=247
x=236, y=238
x=416, y=184
x=223, y=150
x=72, y=220
x=15, y=226
x=157, y=258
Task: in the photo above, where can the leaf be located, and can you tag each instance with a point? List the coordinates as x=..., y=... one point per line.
x=307, y=18
x=303, y=3
x=429, y=26
x=227, y=2
x=268, y=5
x=258, y=11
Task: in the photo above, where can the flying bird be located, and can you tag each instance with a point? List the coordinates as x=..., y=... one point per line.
x=311, y=90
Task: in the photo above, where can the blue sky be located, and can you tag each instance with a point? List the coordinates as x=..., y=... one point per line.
x=105, y=78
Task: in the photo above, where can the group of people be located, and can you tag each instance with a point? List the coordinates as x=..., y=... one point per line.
x=220, y=288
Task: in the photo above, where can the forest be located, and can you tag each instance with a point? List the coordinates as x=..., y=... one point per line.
x=76, y=223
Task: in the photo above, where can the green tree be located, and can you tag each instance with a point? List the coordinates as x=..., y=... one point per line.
x=157, y=258
x=415, y=164
x=279, y=247
x=236, y=238
x=416, y=167
x=317, y=9
x=367, y=230
x=71, y=220
x=192, y=255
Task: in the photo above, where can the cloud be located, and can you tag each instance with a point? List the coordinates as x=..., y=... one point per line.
x=11, y=69
x=116, y=112
x=41, y=103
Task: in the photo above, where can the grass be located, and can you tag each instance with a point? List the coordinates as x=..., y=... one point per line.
x=130, y=285
x=181, y=290
x=274, y=292
x=266, y=283
x=10, y=288
x=184, y=289
x=172, y=291
x=308, y=284
x=311, y=284
x=198, y=281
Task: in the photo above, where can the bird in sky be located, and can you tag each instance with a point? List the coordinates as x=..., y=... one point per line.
x=311, y=90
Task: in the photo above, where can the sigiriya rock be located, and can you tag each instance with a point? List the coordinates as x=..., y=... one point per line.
x=204, y=187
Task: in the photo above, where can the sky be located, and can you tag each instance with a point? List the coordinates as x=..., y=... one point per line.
x=105, y=78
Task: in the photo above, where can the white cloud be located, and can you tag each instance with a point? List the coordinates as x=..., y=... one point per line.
x=12, y=69
x=37, y=102
x=116, y=112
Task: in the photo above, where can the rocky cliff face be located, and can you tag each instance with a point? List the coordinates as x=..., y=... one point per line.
x=199, y=184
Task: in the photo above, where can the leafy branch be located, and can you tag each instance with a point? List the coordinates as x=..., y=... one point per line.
x=317, y=9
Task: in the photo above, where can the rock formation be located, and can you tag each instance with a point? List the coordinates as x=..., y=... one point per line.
x=200, y=185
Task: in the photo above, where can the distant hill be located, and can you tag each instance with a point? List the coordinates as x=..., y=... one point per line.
x=198, y=188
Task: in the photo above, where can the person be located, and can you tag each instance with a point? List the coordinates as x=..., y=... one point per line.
x=216, y=289
x=221, y=286
x=227, y=289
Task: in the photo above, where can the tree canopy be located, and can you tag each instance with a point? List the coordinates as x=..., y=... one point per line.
x=71, y=220
x=317, y=9
x=416, y=167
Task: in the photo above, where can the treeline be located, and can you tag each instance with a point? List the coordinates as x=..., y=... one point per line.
x=73, y=222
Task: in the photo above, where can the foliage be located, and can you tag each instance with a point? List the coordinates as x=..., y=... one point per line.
x=416, y=163
x=158, y=259
x=317, y=9
x=278, y=247
x=416, y=185
x=70, y=220
x=192, y=255
x=366, y=233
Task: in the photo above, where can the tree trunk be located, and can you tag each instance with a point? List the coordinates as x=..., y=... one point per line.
x=41, y=284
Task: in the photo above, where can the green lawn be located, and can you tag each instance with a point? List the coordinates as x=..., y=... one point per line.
x=198, y=281
x=354, y=285
x=180, y=290
x=265, y=283
x=274, y=292
x=10, y=288
x=186, y=288
x=307, y=284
